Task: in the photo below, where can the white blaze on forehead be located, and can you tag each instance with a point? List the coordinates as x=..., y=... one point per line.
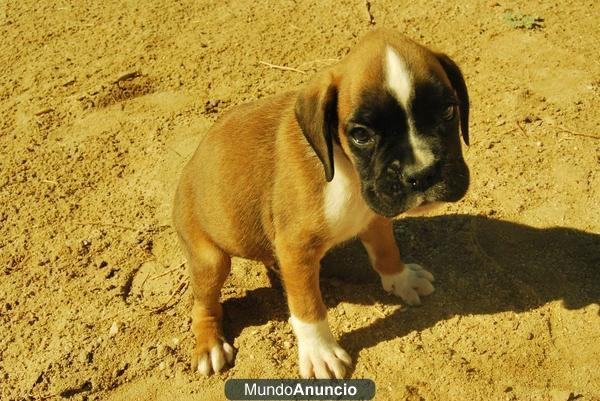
x=398, y=77
x=400, y=82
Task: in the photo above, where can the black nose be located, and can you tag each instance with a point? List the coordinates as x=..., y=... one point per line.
x=423, y=179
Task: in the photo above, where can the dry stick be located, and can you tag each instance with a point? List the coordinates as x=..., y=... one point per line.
x=508, y=132
x=183, y=286
x=127, y=76
x=44, y=397
x=562, y=128
x=180, y=290
x=369, y=14
x=380, y=312
x=166, y=272
x=281, y=67
x=176, y=152
x=44, y=111
x=149, y=309
x=142, y=286
x=521, y=128
x=93, y=223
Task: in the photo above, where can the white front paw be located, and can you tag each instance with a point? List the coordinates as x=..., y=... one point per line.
x=320, y=356
x=409, y=284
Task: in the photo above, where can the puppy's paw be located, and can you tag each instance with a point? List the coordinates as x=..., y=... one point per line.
x=320, y=356
x=323, y=360
x=409, y=284
x=207, y=360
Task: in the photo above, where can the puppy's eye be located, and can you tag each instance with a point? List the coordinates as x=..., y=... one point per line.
x=361, y=136
x=449, y=112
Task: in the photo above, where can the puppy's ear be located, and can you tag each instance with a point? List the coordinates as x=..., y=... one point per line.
x=316, y=113
x=458, y=83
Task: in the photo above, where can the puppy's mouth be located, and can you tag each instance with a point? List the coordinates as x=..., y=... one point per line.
x=391, y=201
x=392, y=206
x=424, y=207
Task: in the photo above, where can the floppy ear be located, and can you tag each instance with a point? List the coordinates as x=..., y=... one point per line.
x=458, y=83
x=316, y=113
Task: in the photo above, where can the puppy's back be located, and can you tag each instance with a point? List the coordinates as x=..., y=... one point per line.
x=225, y=187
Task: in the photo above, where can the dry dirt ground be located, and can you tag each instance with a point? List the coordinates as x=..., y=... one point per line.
x=102, y=102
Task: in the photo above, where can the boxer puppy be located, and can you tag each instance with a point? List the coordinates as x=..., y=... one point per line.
x=285, y=178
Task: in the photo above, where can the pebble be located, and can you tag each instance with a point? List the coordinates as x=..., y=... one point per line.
x=120, y=370
x=164, y=350
x=114, y=329
x=86, y=356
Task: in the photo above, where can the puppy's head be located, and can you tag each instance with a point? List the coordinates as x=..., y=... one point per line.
x=395, y=108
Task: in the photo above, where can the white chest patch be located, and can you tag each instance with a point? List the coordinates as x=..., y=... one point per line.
x=400, y=83
x=346, y=211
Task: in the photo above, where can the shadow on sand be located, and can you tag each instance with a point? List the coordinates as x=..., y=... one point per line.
x=481, y=265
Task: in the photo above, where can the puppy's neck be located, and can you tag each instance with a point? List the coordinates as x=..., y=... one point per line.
x=346, y=212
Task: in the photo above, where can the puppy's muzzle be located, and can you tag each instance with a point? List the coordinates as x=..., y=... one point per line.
x=421, y=179
x=400, y=188
x=399, y=181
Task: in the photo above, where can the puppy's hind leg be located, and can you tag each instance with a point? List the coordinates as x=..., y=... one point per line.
x=209, y=266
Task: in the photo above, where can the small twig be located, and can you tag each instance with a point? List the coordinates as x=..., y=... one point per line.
x=521, y=128
x=183, y=285
x=171, y=270
x=93, y=223
x=142, y=286
x=44, y=111
x=69, y=82
x=563, y=129
x=281, y=67
x=176, y=152
x=127, y=77
x=508, y=132
x=369, y=14
x=50, y=182
x=380, y=312
x=44, y=397
x=563, y=138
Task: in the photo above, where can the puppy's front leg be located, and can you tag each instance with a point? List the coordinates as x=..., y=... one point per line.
x=320, y=355
x=406, y=281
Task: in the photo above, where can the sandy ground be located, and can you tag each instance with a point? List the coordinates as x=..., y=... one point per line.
x=102, y=102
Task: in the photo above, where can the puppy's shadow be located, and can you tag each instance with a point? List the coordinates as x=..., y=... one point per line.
x=255, y=308
x=481, y=265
